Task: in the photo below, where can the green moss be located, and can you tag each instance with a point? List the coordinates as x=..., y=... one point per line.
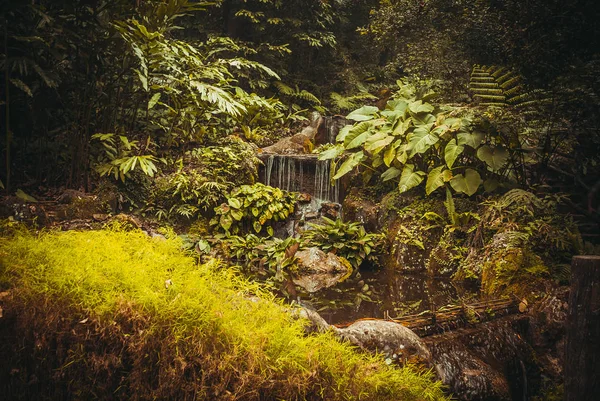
x=199, y=329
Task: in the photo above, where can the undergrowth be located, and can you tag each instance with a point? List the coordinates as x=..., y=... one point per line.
x=116, y=315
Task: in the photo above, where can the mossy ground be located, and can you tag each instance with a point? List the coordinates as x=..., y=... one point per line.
x=116, y=315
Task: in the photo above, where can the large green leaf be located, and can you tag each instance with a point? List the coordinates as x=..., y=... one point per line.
x=468, y=183
x=389, y=155
x=363, y=114
x=496, y=157
x=341, y=136
x=472, y=139
x=451, y=152
x=410, y=178
x=234, y=203
x=353, y=161
x=397, y=105
x=420, y=140
x=355, y=131
x=377, y=142
x=436, y=179
x=401, y=154
x=27, y=198
x=358, y=140
x=402, y=127
x=423, y=119
x=331, y=153
x=420, y=107
x=390, y=174
x=226, y=220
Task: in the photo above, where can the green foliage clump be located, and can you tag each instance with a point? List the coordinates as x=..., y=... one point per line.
x=145, y=317
x=202, y=179
x=118, y=158
x=520, y=239
x=349, y=240
x=412, y=141
x=253, y=206
x=258, y=252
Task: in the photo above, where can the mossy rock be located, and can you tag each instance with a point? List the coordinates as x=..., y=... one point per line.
x=510, y=268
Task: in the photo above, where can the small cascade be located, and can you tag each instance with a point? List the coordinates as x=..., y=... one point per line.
x=302, y=174
x=324, y=191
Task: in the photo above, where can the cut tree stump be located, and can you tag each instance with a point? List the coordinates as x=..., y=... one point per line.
x=582, y=348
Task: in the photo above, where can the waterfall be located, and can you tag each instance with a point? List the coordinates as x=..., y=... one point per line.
x=269, y=169
x=294, y=173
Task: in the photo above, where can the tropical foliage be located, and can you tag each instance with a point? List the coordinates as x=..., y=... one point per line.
x=346, y=239
x=412, y=141
x=254, y=207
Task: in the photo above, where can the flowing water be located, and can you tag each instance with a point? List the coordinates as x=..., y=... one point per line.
x=302, y=173
x=366, y=293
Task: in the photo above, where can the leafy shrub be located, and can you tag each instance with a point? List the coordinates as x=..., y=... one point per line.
x=253, y=206
x=254, y=251
x=203, y=178
x=520, y=239
x=412, y=140
x=117, y=157
x=349, y=240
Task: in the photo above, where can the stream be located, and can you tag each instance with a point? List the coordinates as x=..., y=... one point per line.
x=487, y=361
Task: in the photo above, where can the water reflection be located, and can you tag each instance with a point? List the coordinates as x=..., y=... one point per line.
x=384, y=294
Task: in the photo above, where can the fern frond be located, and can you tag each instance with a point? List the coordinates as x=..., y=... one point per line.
x=283, y=88
x=296, y=93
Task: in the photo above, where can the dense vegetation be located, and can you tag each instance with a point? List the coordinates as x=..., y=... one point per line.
x=471, y=127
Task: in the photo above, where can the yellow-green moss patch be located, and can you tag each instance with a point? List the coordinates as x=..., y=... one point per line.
x=114, y=315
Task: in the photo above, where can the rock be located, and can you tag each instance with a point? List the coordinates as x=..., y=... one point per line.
x=299, y=143
x=311, y=216
x=392, y=339
x=314, y=260
x=304, y=197
x=469, y=377
x=317, y=281
x=70, y=196
x=100, y=216
x=328, y=129
x=359, y=207
x=316, y=323
x=318, y=270
x=330, y=210
x=487, y=362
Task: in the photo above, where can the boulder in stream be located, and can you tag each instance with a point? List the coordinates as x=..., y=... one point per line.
x=314, y=260
x=318, y=270
x=316, y=323
x=395, y=341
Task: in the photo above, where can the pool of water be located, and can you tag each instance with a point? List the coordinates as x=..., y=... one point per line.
x=379, y=294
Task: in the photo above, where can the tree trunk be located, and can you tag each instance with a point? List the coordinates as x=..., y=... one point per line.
x=582, y=348
x=7, y=104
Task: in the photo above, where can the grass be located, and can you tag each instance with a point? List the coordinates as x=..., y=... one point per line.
x=89, y=315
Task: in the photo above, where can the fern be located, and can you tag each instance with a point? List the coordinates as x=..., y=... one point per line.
x=296, y=93
x=500, y=87
x=345, y=103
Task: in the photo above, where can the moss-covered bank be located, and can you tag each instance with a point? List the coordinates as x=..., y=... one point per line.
x=117, y=315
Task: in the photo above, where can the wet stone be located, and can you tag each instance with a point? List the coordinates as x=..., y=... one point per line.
x=394, y=340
